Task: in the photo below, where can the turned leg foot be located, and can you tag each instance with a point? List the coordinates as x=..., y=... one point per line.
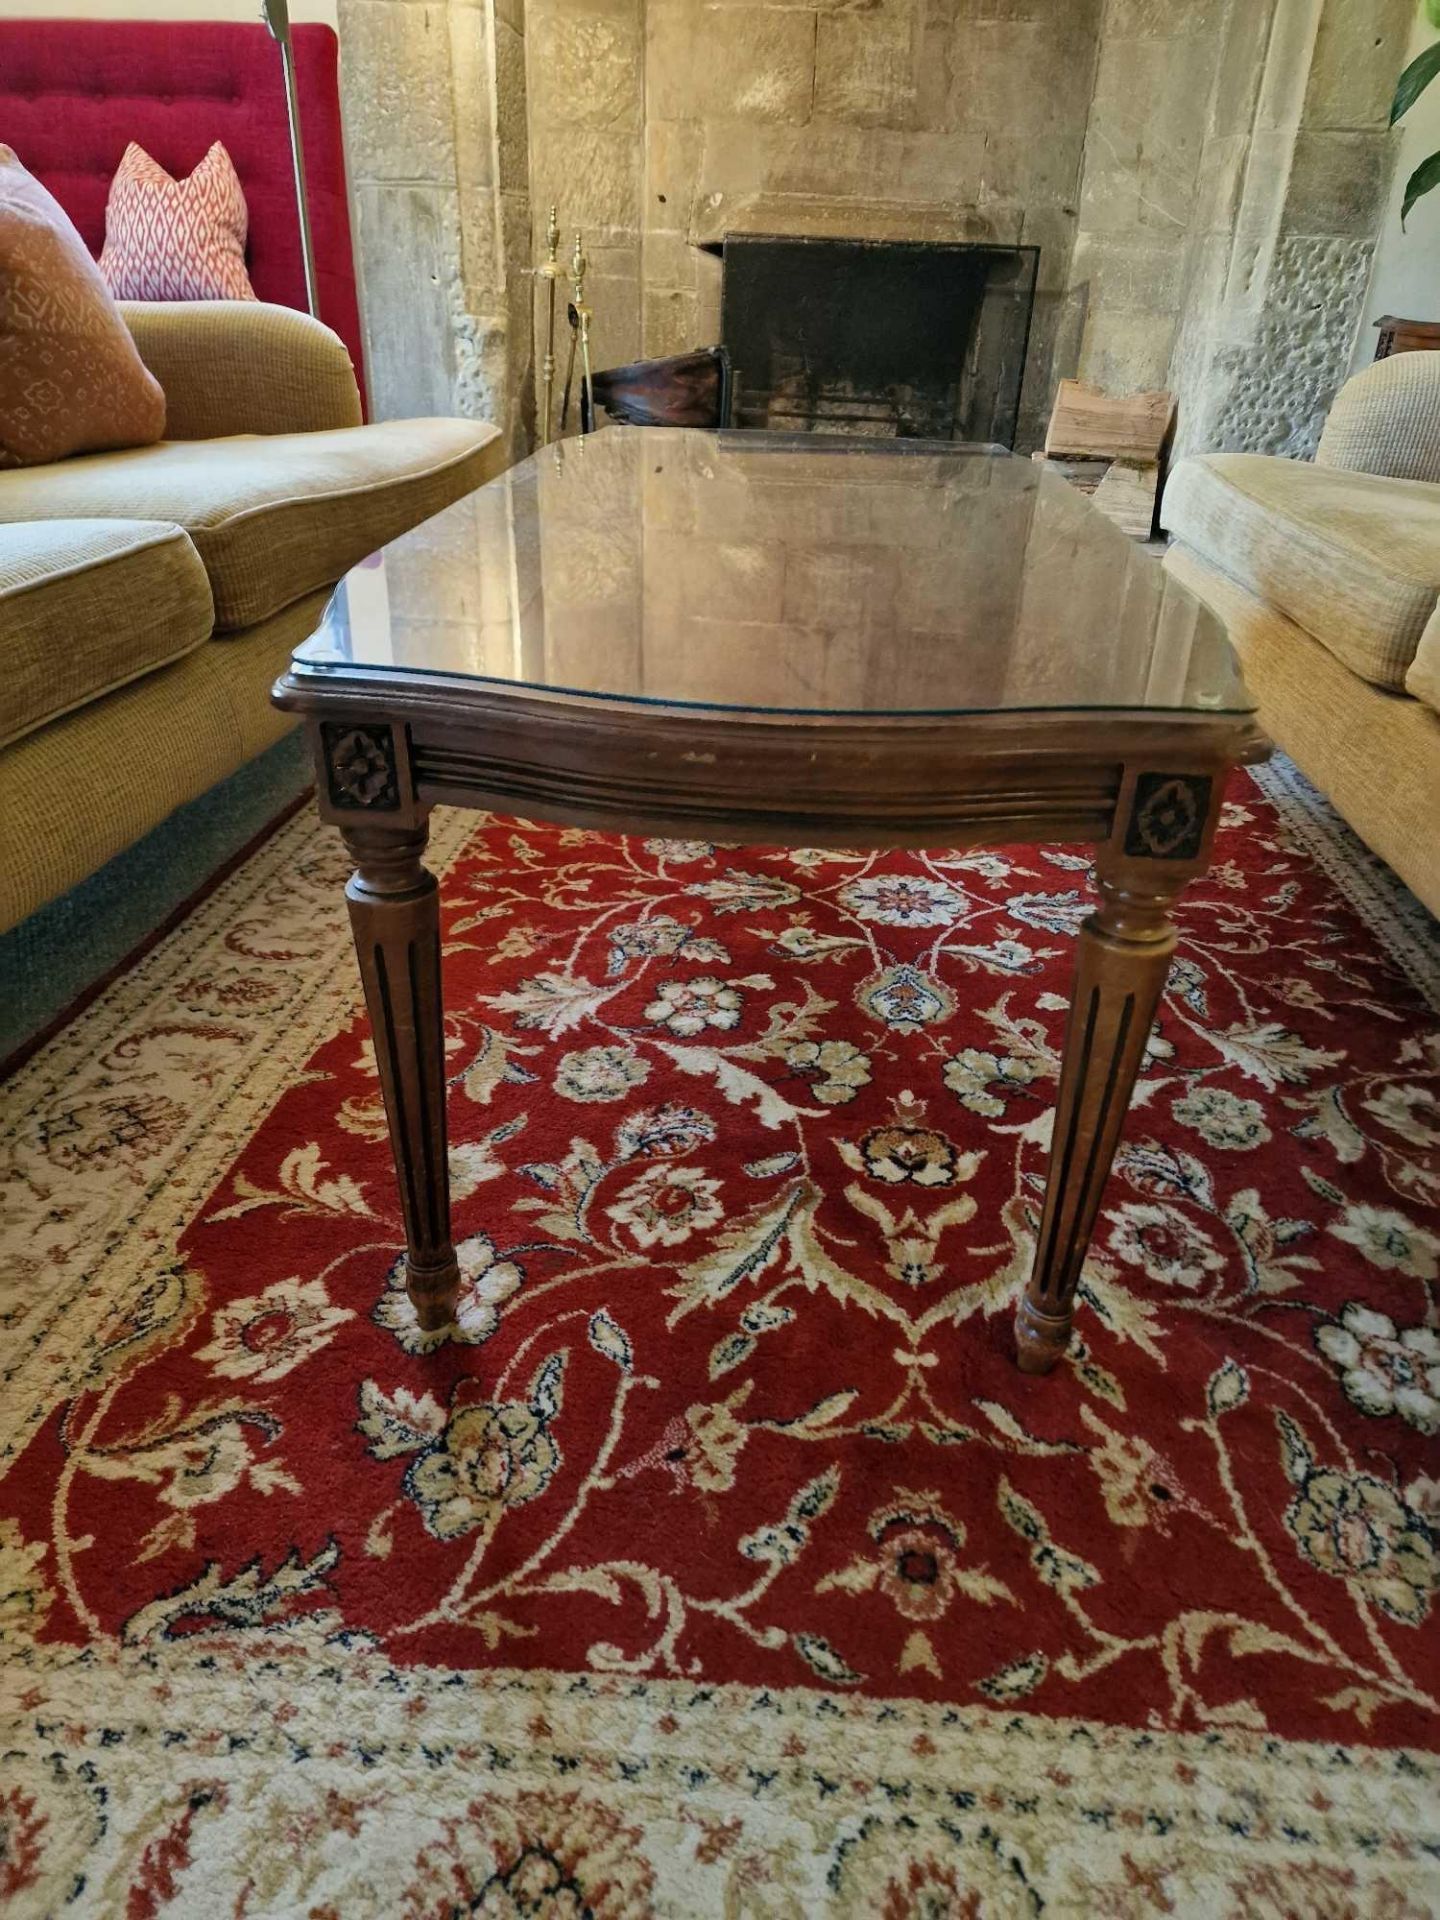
x=1124, y=957
x=1040, y=1338
x=395, y=916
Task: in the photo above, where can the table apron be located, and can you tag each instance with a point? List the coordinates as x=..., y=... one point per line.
x=768, y=799
x=886, y=780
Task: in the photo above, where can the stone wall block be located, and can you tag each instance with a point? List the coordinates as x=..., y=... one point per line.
x=594, y=178
x=672, y=38
x=585, y=70
x=1285, y=63
x=866, y=67
x=759, y=64
x=397, y=89
x=1052, y=229
x=1132, y=284
x=1259, y=218
x=671, y=322
x=1141, y=271
x=673, y=150
x=615, y=333
x=407, y=240
x=1359, y=53
x=1219, y=182
x=1195, y=341
x=1043, y=367
x=708, y=296
x=1242, y=64
x=746, y=63
x=482, y=265
x=473, y=117
x=828, y=160
x=934, y=79
x=519, y=254
x=1339, y=183
x=1146, y=131
x=671, y=259
x=1126, y=351
x=1024, y=81
x=511, y=111
x=1016, y=170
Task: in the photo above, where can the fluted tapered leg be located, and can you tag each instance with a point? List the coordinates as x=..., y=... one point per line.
x=395, y=916
x=1125, y=951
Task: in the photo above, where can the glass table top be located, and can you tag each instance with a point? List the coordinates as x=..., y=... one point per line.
x=784, y=574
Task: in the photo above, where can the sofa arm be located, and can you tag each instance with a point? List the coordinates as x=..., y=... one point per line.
x=1386, y=420
x=242, y=366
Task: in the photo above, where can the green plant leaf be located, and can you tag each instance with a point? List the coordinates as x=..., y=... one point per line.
x=1425, y=177
x=1414, y=80
x=1432, y=12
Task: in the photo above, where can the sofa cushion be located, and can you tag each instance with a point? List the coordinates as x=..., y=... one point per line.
x=275, y=516
x=1352, y=558
x=1423, y=679
x=1386, y=419
x=85, y=606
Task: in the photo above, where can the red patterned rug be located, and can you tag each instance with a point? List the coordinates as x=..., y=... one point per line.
x=721, y=1561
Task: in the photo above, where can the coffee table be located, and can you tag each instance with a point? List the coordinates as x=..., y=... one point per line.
x=781, y=640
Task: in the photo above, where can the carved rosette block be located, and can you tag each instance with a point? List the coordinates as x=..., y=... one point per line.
x=361, y=771
x=1168, y=816
x=395, y=917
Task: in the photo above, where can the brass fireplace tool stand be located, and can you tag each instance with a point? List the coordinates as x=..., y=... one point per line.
x=579, y=316
x=550, y=273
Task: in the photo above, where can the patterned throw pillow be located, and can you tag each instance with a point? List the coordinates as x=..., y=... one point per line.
x=71, y=380
x=176, y=239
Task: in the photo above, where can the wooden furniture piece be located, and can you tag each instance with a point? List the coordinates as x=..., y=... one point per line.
x=686, y=390
x=1405, y=336
x=795, y=641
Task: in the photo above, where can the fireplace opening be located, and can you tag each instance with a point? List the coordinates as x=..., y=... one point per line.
x=878, y=337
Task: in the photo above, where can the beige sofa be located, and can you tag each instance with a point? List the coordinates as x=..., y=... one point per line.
x=149, y=598
x=1328, y=576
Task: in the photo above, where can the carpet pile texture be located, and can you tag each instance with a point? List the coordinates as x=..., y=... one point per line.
x=719, y=1560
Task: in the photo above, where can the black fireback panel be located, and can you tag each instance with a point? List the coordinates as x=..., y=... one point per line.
x=878, y=337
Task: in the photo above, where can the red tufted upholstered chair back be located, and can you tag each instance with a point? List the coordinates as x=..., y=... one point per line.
x=74, y=92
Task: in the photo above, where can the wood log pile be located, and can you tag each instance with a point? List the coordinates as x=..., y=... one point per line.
x=1113, y=446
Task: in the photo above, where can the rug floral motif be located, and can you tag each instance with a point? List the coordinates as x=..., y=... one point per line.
x=719, y=1559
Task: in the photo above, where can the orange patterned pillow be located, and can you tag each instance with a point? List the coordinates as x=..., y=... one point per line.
x=71, y=380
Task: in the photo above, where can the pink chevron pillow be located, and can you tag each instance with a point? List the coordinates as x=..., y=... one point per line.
x=176, y=239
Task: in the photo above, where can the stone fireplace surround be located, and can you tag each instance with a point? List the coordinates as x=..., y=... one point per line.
x=1204, y=179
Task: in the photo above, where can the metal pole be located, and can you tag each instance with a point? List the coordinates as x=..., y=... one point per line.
x=578, y=267
x=277, y=19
